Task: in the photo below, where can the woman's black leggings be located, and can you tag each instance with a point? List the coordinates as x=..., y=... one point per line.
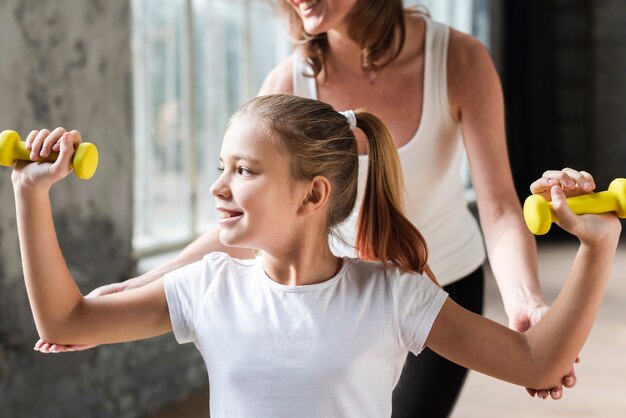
x=429, y=385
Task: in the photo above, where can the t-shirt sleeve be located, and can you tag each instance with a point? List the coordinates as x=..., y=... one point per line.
x=183, y=289
x=417, y=303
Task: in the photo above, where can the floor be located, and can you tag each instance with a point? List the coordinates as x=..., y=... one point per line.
x=601, y=373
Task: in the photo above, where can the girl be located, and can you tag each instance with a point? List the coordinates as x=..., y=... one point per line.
x=299, y=331
x=438, y=92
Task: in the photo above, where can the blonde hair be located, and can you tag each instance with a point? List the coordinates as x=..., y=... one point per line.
x=319, y=142
x=377, y=26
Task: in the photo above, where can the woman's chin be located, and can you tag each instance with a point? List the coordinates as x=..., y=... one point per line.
x=314, y=26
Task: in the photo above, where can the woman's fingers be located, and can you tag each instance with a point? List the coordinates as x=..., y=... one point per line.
x=570, y=179
x=572, y=182
x=582, y=179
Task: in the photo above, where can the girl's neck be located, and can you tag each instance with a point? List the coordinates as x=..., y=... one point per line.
x=304, y=266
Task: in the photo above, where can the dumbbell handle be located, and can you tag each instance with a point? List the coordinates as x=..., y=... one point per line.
x=539, y=213
x=84, y=161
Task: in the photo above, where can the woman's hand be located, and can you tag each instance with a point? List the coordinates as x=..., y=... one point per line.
x=42, y=175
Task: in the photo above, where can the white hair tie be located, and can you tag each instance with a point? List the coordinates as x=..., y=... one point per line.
x=349, y=114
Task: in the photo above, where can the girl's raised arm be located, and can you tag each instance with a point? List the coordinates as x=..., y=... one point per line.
x=61, y=313
x=541, y=356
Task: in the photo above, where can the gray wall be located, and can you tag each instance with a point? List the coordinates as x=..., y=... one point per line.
x=67, y=63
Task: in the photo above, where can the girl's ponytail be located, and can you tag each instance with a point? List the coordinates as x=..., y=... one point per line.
x=383, y=232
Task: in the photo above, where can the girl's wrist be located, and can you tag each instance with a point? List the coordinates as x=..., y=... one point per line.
x=25, y=188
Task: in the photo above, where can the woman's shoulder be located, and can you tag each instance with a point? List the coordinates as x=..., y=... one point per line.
x=470, y=69
x=280, y=79
x=465, y=51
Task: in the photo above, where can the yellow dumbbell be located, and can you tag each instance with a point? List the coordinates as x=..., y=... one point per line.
x=539, y=214
x=84, y=161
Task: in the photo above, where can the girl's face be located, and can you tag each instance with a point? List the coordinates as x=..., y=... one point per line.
x=256, y=196
x=319, y=16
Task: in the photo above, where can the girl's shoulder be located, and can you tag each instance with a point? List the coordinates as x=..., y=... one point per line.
x=218, y=260
x=376, y=271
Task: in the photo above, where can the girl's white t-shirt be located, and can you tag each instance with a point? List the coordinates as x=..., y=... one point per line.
x=332, y=349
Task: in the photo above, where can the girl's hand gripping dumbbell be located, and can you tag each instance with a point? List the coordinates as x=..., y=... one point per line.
x=84, y=161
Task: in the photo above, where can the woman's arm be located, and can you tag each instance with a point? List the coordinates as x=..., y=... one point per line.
x=61, y=313
x=476, y=100
x=206, y=243
x=542, y=355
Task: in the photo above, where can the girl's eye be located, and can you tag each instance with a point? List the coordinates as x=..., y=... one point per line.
x=220, y=169
x=244, y=171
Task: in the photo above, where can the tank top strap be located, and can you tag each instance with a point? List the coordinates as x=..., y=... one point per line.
x=435, y=69
x=304, y=85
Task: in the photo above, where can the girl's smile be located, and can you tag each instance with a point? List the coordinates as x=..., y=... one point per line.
x=227, y=216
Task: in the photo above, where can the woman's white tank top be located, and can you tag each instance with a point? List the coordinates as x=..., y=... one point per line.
x=431, y=164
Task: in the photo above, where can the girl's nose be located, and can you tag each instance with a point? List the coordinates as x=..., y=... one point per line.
x=220, y=188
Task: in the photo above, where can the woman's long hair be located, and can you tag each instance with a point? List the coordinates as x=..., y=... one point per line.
x=376, y=25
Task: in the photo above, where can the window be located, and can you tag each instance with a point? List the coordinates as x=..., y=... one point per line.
x=195, y=63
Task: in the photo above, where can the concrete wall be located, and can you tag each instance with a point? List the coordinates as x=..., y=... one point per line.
x=67, y=63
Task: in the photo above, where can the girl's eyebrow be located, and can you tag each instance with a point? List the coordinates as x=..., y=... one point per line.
x=246, y=158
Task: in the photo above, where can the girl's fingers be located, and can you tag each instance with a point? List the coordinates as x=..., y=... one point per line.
x=62, y=165
x=50, y=141
x=567, y=219
x=38, y=143
x=76, y=138
x=30, y=138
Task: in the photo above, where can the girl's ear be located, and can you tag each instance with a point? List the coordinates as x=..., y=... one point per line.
x=317, y=197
